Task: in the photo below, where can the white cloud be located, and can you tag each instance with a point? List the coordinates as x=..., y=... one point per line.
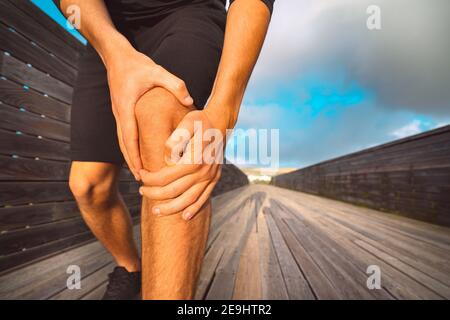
x=410, y=129
x=259, y=116
x=405, y=64
x=442, y=124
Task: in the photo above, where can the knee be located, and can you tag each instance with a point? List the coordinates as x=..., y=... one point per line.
x=159, y=111
x=90, y=190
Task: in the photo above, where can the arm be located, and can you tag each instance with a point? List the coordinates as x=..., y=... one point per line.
x=130, y=74
x=97, y=27
x=246, y=28
x=247, y=24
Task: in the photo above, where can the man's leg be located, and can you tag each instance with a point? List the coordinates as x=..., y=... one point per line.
x=172, y=248
x=95, y=188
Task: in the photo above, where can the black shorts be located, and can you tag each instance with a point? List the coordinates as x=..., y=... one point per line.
x=187, y=42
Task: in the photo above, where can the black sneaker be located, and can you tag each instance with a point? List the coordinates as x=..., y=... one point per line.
x=123, y=285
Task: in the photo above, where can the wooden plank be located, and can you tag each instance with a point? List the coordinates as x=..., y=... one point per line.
x=424, y=279
x=429, y=242
x=210, y=262
x=342, y=280
x=47, y=23
x=407, y=247
x=45, y=287
x=339, y=256
x=411, y=226
x=97, y=293
x=8, y=263
x=30, y=123
x=396, y=282
x=24, y=239
x=31, y=29
x=361, y=259
x=24, y=145
x=225, y=215
x=399, y=284
x=297, y=286
x=427, y=264
x=20, y=169
x=27, y=275
x=224, y=209
x=21, y=48
x=273, y=284
x=20, y=72
x=414, y=252
x=233, y=238
x=320, y=284
x=19, y=193
x=11, y=262
x=33, y=101
x=248, y=278
x=47, y=278
x=16, y=217
x=88, y=284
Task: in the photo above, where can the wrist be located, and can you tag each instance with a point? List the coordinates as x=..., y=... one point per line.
x=225, y=113
x=114, y=49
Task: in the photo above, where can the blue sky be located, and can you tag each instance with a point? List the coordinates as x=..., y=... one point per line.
x=49, y=7
x=331, y=86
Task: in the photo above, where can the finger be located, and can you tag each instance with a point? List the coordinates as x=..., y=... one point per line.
x=166, y=175
x=194, y=208
x=122, y=145
x=175, y=85
x=182, y=202
x=124, y=152
x=171, y=190
x=175, y=145
x=203, y=140
x=193, y=152
x=130, y=136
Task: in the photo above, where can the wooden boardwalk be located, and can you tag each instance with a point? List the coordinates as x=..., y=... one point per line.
x=272, y=243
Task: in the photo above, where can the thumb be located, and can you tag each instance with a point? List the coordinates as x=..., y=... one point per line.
x=175, y=85
x=175, y=145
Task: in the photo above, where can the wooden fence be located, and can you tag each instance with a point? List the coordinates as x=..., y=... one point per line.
x=410, y=176
x=38, y=66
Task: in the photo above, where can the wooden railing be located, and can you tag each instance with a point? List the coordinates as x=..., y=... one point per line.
x=410, y=176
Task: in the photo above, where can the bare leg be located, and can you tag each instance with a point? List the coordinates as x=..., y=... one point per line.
x=95, y=187
x=172, y=248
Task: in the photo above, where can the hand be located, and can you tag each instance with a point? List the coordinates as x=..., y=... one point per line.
x=194, y=155
x=130, y=75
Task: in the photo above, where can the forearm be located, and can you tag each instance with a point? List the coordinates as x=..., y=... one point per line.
x=246, y=29
x=97, y=27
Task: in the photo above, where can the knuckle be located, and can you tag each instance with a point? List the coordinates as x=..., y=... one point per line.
x=168, y=145
x=168, y=208
x=162, y=181
x=172, y=191
x=144, y=191
x=180, y=85
x=157, y=69
x=192, y=198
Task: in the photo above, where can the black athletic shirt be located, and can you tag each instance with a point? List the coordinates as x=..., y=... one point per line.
x=133, y=10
